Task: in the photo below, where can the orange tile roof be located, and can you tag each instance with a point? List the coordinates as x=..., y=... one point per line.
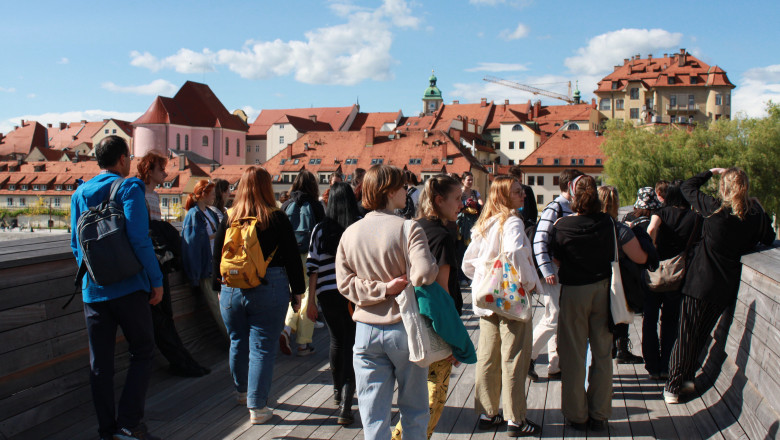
x=655, y=72
x=416, y=123
x=73, y=134
x=302, y=125
x=194, y=105
x=565, y=146
x=508, y=113
x=334, y=148
x=335, y=116
x=22, y=140
x=376, y=120
x=449, y=112
x=125, y=126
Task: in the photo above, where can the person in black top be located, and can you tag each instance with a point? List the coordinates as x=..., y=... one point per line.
x=254, y=317
x=529, y=210
x=733, y=225
x=670, y=228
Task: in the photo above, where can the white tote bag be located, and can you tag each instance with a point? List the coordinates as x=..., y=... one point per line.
x=425, y=346
x=621, y=314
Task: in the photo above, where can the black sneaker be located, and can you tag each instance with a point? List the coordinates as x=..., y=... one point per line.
x=598, y=425
x=496, y=420
x=532, y=371
x=527, y=429
x=554, y=376
x=583, y=426
x=140, y=432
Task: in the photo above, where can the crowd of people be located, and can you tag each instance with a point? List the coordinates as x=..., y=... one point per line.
x=349, y=256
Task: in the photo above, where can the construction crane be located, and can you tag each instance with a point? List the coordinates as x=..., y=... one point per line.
x=534, y=90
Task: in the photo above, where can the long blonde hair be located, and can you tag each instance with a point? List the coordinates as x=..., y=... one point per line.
x=734, y=186
x=440, y=185
x=498, y=204
x=255, y=197
x=608, y=195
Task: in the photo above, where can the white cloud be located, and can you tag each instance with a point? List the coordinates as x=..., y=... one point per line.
x=184, y=61
x=342, y=54
x=498, y=67
x=7, y=89
x=520, y=32
x=63, y=60
x=758, y=85
x=609, y=49
x=71, y=116
x=156, y=87
x=251, y=112
x=32, y=95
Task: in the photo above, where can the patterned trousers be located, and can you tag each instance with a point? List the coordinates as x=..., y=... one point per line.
x=438, y=384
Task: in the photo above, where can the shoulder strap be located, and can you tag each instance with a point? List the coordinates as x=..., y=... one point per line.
x=614, y=231
x=406, y=229
x=114, y=189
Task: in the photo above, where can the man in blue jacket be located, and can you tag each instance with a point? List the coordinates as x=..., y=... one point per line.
x=124, y=303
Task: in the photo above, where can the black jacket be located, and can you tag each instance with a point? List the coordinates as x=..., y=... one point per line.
x=585, y=247
x=715, y=268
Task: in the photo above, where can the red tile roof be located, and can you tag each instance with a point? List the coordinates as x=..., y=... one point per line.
x=508, y=113
x=449, y=112
x=376, y=120
x=655, y=72
x=335, y=116
x=23, y=139
x=73, y=134
x=194, y=105
x=565, y=146
x=303, y=125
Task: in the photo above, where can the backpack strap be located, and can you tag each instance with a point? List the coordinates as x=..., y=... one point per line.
x=114, y=190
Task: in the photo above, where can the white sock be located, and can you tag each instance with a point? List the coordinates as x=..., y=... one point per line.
x=485, y=417
x=513, y=423
x=288, y=330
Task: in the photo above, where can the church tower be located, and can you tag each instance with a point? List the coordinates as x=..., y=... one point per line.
x=432, y=98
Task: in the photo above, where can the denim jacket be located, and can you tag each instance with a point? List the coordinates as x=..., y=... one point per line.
x=195, y=245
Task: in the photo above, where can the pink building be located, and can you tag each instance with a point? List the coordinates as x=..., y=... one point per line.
x=193, y=120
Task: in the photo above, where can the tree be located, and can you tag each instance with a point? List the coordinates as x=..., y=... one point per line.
x=638, y=156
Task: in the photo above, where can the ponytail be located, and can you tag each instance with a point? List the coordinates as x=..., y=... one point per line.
x=202, y=188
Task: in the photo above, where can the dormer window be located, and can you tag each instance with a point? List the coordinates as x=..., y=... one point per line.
x=12, y=187
x=415, y=161
x=556, y=162
x=295, y=161
x=449, y=161
x=167, y=184
x=24, y=187
x=598, y=161
x=615, y=85
x=377, y=161
x=694, y=80
x=670, y=80
x=282, y=161
x=35, y=187
x=58, y=187
x=69, y=187
x=540, y=161
x=315, y=161
x=517, y=127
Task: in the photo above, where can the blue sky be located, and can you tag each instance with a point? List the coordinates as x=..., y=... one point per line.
x=92, y=59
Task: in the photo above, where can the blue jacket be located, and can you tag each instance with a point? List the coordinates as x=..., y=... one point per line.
x=196, y=246
x=131, y=193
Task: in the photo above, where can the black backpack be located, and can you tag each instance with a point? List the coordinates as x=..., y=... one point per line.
x=530, y=232
x=409, y=210
x=106, y=252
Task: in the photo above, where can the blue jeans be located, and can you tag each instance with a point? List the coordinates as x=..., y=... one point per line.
x=382, y=357
x=254, y=319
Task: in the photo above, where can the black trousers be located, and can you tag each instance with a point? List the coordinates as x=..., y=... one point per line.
x=342, y=337
x=165, y=335
x=697, y=319
x=131, y=313
x=657, y=351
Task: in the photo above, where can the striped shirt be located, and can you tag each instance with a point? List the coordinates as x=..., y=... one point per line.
x=542, y=237
x=324, y=265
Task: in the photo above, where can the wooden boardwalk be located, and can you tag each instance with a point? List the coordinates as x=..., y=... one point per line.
x=205, y=408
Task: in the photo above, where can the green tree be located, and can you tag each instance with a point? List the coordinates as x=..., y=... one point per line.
x=638, y=156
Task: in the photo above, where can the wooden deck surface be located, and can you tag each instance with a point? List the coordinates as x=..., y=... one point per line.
x=205, y=408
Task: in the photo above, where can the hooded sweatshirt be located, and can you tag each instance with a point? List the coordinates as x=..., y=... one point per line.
x=585, y=247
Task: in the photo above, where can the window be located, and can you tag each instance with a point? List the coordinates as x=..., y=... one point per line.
x=323, y=179
x=540, y=199
x=257, y=162
x=511, y=162
x=315, y=161
x=58, y=187
x=604, y=104
x=728, y=99
x=35, y=188
x=634, y=113
x=580, y=161
x=598, y=161
x=449, y=161
x=178, y=141
x=531, y=180
x=673, y=101
x=257, y=148
x=618, y=104
x=205, y=141
x=167, y=184
x=248, y=148
x=9, y=201
x=539, y=161
x=556, y=161
x=670, y=80
x=718, y=99
x=24, y=188
x=113, y=131
x=281, y=139
x=22, y=201
x=511, y=145
x=281, y=126
x=105, y=131
x=43, y=187
x=573, y=126
x=615, y=85
x=11, y=187
x=415, y=161
x=282, y=161
x=186, y=142
x=517, y=127
x=634, y=93
x=574, y=161
x=295, y=161
x=69, y=187
x=540, y=180
x=521, y=145
x=694, y=80
x=164, y=202
x=238, y=147
x=691, y=102
x=227, y=147
x=351, y=161
x=556, y=180
x=377, y=161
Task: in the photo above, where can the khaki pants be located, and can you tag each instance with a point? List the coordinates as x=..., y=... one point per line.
x=584, y=319
x=503, y=356
x=299, y=322
x=438, y=383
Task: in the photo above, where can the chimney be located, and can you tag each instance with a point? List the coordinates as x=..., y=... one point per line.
x=456, y=102
x=313, y=118
x=537, y=108
x=425, y=133
x=22, y=125
x=63, y=126
x=506, y=102
x=214, y=166
x=182, y=163
x=593, y=102
x=289, y=151
x=483, y=102
x=625, y=61
x=369, y=136
x=83, y=121
x=398, y=134
x=666, y=55
x=681, y=58
x=650, y=57
x=48, y=125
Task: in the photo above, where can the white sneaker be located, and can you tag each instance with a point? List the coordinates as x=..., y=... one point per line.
x=671, y=398
x=319, y=324
x=688, y=387
x=241, y=398
x=260, y=416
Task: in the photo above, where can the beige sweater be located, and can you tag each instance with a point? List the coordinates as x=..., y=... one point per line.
x=371, y=254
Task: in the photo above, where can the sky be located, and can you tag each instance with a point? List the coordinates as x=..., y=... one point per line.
x=64, y=62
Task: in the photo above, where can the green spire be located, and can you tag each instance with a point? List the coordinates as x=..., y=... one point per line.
x=432, y=92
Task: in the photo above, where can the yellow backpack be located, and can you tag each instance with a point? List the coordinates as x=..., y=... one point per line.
x=243, y=264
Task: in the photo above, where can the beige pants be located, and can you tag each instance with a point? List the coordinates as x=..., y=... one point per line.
x=438, y=384
x=584, y=319
x=299, y=322
x=503, y=356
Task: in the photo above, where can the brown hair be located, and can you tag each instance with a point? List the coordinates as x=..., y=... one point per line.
x=306, y=183
x=586, y=197
x=222, y=186
x=202, y=189
x=516, y=171
x=610, y=201
x=497, y=203
x=254, y=197
x=661, y=187
x=379, y=181
x=148, y=163
x=567, y=176
x=440, y=185
x=734, y=186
